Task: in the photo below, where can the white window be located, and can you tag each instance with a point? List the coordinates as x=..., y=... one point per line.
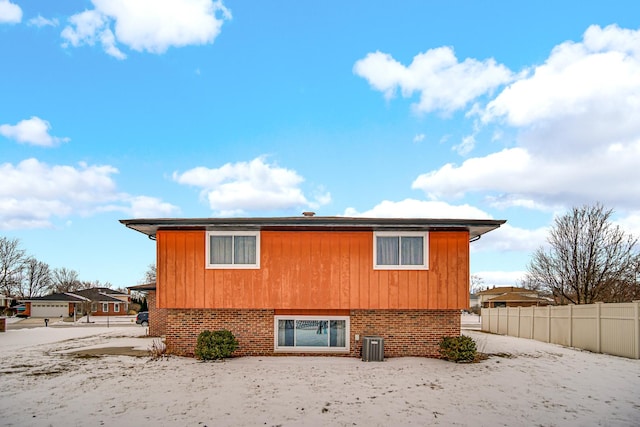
x=94, y=307
x=233, y=249
x=105, y=307
x=311, y=333
x=116, y=307
x=400, y=250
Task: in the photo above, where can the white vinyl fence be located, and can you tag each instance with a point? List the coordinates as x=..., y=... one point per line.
x=601, y=328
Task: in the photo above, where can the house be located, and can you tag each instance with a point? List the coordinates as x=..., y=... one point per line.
x=511, y=296
x=313, y=285
x=96, y=301
x=5, y=306
x=157, y=316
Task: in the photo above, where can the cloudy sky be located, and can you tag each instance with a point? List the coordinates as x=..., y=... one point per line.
x=113, y=109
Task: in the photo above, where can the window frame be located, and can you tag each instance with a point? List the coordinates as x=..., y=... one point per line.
x=400, y=234
x=105, y=304
x=311, y=349
x=116, y=307
x=252, y=233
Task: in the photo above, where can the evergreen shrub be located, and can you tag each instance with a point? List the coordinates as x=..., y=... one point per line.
x=458, y=349
x=215, y=345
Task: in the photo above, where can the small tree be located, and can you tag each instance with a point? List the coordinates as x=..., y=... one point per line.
x=215, y=345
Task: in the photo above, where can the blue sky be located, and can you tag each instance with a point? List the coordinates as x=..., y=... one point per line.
x=114, y=109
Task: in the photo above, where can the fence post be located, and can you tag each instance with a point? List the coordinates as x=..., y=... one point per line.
x=636, y=327
x=570, y=320
x=598, y=326
x=548, y=323
x=533, y=321
x=518, y=333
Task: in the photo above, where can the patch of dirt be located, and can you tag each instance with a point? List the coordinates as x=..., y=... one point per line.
x=109, y=351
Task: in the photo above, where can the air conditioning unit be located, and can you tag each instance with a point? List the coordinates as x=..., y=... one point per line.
x=372, y=349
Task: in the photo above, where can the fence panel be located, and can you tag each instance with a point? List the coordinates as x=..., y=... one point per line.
x=602, y=328
x=541, y=324
x=513, y=321
x=561, y=325
x=503, y=321
x=585, y=327
x=526, y=322
x=617, y=322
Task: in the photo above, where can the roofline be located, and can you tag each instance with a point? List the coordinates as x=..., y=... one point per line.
x=476, y=227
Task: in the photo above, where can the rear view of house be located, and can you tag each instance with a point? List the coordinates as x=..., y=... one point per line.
x=313, y=285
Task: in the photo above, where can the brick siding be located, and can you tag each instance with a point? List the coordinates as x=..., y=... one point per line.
x=157, y=316
x=405, y=332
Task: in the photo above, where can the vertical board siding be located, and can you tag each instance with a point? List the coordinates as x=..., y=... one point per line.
x=311, y=269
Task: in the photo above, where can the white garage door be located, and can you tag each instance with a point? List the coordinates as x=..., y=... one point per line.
x=49, y=309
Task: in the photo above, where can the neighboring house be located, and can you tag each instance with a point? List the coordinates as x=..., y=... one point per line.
x=157, y=316
x=95, y=301
x=309, y=285
x=5, y=306
x=5, y=301
x=511, y=296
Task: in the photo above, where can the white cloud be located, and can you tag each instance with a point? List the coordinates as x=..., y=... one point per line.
x=466, y=146
x=236, y=188
x=33, y=131
x=444, y=83
x=146, y=25
x=500, y=278
x=40, y=21
x=33, y=193
x=151, y=207
x=521, y=178
x=419, y=137
x=510, y=238
x=412, y=208
x=585, y=96
x=10, y=13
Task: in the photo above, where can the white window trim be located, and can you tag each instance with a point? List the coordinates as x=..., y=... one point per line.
x=208, y=265
x=287, y=349
x=105, y=304
x=116, y=307
x=425, y=249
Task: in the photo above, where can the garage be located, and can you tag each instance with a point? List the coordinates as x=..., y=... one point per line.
x=49, y=309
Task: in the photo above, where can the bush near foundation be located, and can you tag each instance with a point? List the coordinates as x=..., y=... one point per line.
x=215, y=345
x=458, y=349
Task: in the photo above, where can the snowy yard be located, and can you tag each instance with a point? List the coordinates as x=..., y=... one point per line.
x=531, y=384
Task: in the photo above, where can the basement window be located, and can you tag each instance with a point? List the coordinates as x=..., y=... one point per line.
x=400, y=250
x=311, y=333
x=233, y=249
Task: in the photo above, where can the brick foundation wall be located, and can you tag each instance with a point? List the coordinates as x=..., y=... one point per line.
x=405, y=332
x=252, y=328
x=157, y=316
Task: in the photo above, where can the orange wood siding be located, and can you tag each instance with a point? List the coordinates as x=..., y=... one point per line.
x=312, y=270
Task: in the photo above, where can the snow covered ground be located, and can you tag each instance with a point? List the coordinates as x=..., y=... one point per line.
x=44, y=383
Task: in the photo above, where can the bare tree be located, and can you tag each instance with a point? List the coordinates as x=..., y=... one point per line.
x=36, y=278
x=588, y=257
x=65, y=280
x=12, y=259
x=150, y=274
x=477, y=283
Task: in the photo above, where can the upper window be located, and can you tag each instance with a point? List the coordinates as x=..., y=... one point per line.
x=400, y=250
x=233, y=249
